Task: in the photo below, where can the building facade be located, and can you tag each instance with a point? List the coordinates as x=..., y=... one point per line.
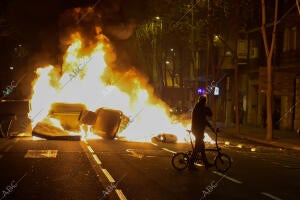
x=285, y=69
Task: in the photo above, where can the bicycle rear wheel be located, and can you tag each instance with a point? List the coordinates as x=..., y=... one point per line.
x=180, y=161
x=222, y=162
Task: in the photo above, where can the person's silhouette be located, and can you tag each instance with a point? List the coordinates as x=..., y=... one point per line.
x=199, y=122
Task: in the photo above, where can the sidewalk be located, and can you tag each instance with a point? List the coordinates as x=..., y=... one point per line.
x=281, y=138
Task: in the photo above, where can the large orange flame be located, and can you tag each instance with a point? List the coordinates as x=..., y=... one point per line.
x=87, y=78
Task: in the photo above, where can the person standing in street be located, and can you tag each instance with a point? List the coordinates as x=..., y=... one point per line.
x=199, y=122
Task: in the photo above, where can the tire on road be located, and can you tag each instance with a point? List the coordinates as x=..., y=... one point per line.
x=222, y=162
x=180, y=161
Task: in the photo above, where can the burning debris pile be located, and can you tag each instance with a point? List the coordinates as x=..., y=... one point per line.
x=105, y=122
x=89, y=96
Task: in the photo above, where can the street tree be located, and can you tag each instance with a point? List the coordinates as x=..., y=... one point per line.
x=225, y=22
x=269, y=48
x=165, y=29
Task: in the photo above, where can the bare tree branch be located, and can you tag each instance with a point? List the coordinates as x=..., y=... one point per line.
x=263, y=27
x=297, y=3
x=274, y=28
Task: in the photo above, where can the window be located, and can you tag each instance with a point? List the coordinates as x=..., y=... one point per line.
x=290, y=39
x=253, y=49
x=242, y=49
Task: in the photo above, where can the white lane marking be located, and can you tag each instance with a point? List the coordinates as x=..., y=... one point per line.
x=108, y=176
x=153, y=143
x=120, y=194
x=90, y=149
x=97, y=159
x=168, y=150
x=151, y=156
x=228, y=178
x=270, y=196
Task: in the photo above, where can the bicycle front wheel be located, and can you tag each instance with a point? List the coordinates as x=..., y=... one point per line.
x=222, y=162
x=180, y=161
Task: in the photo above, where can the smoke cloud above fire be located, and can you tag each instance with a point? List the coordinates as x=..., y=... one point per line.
x=90, y=77
x=106, y=20
x=115, y=21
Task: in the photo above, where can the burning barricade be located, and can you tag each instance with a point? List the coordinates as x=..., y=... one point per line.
x=87, y=95
x=64, y=119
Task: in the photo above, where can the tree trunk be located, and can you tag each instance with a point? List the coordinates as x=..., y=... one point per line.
x=269, y=54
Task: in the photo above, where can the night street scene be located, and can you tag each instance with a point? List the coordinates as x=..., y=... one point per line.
x=149, y=99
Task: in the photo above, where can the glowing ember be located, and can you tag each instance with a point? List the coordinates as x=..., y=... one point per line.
x=208, y=139
x=88, y=77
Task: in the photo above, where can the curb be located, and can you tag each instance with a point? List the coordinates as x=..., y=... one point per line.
x=271, y=143
x=274, y=143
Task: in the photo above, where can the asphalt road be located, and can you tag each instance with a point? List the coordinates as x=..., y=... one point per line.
x=118, y=169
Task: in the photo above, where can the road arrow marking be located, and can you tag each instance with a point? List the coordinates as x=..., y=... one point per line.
x=41, y=154
x=135, y=154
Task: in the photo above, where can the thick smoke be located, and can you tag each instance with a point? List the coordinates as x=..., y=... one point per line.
x=111, y=18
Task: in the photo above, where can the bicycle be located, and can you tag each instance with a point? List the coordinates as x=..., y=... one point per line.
x=222, y=161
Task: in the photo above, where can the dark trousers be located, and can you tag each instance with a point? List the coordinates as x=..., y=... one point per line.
x=199, y=147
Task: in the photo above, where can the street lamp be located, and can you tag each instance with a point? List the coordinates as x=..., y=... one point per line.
x=216, y=38
x=156, y=26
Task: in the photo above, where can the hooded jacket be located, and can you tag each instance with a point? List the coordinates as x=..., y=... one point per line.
x=199, y=117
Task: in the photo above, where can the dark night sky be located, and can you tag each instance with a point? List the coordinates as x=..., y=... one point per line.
x=36, y=24
x=33, y=24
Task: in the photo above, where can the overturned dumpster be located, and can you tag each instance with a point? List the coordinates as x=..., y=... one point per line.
x=67, y=114
x=109, y=123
